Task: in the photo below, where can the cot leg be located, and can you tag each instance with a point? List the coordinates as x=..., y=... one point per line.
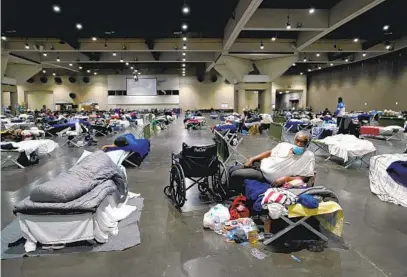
x=290, y=226
x=309, y=227
x=329, y=157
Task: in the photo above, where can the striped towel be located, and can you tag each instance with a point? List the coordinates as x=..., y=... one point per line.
x=278, y=195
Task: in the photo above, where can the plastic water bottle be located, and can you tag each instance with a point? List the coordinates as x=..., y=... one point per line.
x=217, y=225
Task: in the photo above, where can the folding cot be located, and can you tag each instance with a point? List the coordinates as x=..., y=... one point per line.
x=41, y=147
x=227, y=145
x=346, y=147
x=388, y=133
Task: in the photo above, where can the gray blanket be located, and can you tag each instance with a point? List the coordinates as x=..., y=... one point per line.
x=81, y=189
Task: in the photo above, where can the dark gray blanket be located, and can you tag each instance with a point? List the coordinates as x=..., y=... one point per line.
x=81, y=189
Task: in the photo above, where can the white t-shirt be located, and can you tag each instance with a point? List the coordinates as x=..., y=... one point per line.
x=280, y=164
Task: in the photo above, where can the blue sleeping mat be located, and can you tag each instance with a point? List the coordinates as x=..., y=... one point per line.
x=140, y=146
x=223, y=127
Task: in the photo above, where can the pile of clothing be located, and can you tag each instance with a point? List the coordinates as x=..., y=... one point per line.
x=277, y=200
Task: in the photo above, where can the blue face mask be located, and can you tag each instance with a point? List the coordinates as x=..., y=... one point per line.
x=298, y=150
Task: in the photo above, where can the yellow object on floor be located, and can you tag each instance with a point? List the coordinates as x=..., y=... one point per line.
x=329, y=214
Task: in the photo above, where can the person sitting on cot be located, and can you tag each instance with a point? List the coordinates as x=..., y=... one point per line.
x=282, y=164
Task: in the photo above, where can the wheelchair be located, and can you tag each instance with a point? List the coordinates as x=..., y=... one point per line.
x=201, y=165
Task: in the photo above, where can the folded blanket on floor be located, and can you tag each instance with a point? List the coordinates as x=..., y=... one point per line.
x=398, y=172
x=83, y=187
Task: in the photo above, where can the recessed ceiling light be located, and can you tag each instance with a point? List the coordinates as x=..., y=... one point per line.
x=184, y=39
x=94, y=38
x=364, y=54
x=56, y=8
x=70, y=64
x=127, y=63
x=27, y=46
x=114, y=54
x=44, y=71
x=80, y=67
x=185, y=9
x=88, y=71
x=53, y=74
x=184, y=26
x=273, y=39
x=318, y=54
x=79, y=26
x=183, y=65
x=45, y=54
x=95, y=73
x=311, y=10
x=3, y=38
x=386, y=27
x=301, y=73
x=132, y=67
x=355, y=39
x=58, y=59
x=183, y=59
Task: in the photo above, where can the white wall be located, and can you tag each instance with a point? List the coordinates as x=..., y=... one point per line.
x=295, y=82
x=5, y=99
x=205, y=95
x=252, y=99
x=192, y=94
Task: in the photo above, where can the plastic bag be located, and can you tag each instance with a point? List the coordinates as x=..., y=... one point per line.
x=218, y=213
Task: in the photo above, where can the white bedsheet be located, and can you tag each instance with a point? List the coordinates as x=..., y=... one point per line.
x=382, y=184
x=345, y=146
x=56, y=229
x=43, y=146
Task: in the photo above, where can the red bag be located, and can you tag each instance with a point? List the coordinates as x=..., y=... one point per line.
x=238, y=208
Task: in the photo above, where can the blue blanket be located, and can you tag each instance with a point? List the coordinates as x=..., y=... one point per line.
x=140, y=146
x=398, y=172
x=223, y=127
x=253, y=189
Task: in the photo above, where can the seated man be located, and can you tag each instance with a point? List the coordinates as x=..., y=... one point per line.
x=280, y=165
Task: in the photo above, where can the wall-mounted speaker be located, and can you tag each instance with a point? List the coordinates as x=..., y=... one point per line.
x=72, y=79
x=86, y=79
x=58, y=80
x=31, y=80
x=44, y=79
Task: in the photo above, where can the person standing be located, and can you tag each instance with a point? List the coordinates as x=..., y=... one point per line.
x=340, y=111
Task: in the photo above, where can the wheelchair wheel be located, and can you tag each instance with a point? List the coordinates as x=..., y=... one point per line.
x=204, y=186
x=220, y=183
x=177, y=184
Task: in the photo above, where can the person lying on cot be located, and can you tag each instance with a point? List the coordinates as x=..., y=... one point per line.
x=282, y=164
x=120, y=141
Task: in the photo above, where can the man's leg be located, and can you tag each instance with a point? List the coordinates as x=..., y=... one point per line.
x=238, y=175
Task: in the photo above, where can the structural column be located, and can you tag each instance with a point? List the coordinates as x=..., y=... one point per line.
x=240, y=98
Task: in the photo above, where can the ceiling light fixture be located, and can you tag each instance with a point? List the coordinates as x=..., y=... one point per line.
x=139, y=73
x=184, y=46
x=94, y=38
x=80, y=67
x=88, y=71
x=183, y=53
x=132, y=67
x=294, y=64
x=56, y=8
x=331, y=64
x=309, y=70
x=135, y=70
x=355, y=39
x=364, y=54
x=184, y=39
x=45, y=54
x=184, y=26
x=3, y=38
x=346, y=60
x=79, y=26
x=58, y=59
x=288, y=27
x=183, y=65
x=44, y=71
x=127, y=63
x=305, y=59
x=53, y=74
x=95, y=73
x=70, y=64
x=185, y=9
x=27, y=46
x=318, y=54
x=183, y=59
x=311, y=10
x=301, y=73
x=261, y=46
x=273, y=39
x=386, y=27
x=121, y=60
x=114, y=54
x=319, y=67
